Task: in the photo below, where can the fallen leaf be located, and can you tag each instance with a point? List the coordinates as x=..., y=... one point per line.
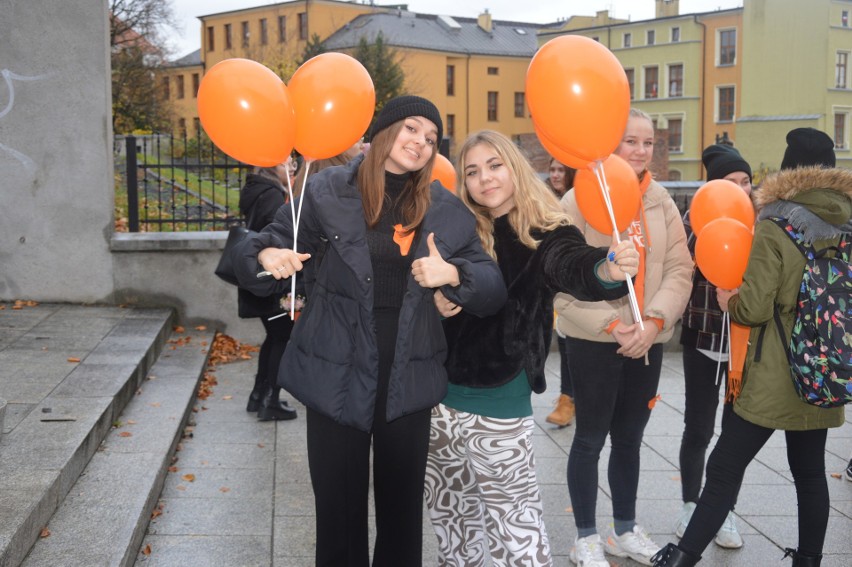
x=180, y=487
x=73, y=359
x=261, y=445
x=173, y=469
x=205, y=463
x=224, y=489
x=154, y=404
x=201, y=328
x=147, y=550
x=44, y=533
x=131, y=422
x=125, y=434
x=178, y=329
x=189, y=477
x=227, y=397
x=835, y=475
x=570, y=509
x=653, y=401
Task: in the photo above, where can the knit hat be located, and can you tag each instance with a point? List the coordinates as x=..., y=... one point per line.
x=402, y=107
x=720, y=160
x=808, y=147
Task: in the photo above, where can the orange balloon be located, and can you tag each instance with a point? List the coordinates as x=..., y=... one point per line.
x=444, y=172
x=720, y=198
x=722, y=250
x=623, y=193
x=334, y=101
x=246, y=110
x=561, y=155
x=579, y=96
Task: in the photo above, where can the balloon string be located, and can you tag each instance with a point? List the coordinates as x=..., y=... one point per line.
x=634, y=302
x=296, y=218
x=289, y=190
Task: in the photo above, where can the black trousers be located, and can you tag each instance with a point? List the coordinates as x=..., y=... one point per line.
x=699, y=417
x=737, y=446
x=339, y=459
x=271, y=350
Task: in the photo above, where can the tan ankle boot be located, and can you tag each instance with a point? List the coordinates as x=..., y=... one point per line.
x=563, y=414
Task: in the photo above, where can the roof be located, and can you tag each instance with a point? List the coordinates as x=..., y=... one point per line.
x=439, y=33
x=187, y=60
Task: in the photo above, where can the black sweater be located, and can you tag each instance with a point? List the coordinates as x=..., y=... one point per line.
x=490, y=351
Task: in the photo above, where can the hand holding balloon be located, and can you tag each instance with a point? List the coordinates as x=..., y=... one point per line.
x=622, y=260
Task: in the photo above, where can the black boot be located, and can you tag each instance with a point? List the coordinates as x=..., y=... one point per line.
x=800, y=560
x=673, y=556
x=253, y=401
x=271, y=408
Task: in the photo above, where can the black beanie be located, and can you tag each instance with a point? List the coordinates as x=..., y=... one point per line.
x=720, y=160
x=808, y=147
x=402, y=107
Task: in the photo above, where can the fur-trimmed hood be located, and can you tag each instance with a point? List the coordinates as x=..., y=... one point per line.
x=814, y=200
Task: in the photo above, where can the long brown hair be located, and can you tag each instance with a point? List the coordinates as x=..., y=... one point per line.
x=536, y=207
x=317, y=166
x=371, y=181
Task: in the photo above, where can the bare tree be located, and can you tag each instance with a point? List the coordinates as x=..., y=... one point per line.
x=138, y=50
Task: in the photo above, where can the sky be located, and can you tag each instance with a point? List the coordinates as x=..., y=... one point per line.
x=187, y=36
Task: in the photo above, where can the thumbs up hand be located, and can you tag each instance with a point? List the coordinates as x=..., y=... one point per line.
x=432, y=271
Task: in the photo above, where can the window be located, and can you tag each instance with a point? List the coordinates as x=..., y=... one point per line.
x=596, y=38
x=844, y=18
x=303, y=26
x=840, y=69
x=631, y=81
x=651, y=37
x=493, y=71
x=282, y=29
x=227, y=36
x=675, y=34
x=182, y=127
x=676, y=80
x=675, y=175
x=627, y=40
x=195, y=85
x=520, y=105
x=244, y=29
x=264, y=32
x=727, y=47
x=179, y=86
x=675, y=134
x=210, y=36
x=166, y=90
x=726, y=104
x=651, y=76
x=492, y=106
x=196, y=124
x=451, y=125
x=840, y=130
x=451, y=80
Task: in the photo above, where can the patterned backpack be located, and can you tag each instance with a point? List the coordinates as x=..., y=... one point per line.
x=819, y=348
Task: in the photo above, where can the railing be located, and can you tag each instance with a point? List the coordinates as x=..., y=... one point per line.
x=178, y=184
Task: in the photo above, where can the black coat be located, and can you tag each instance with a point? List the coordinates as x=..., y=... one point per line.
x=332, y=358
x=490, y=351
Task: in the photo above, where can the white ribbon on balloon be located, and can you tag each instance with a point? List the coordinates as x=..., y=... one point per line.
x=601, y=177
x=296, y=216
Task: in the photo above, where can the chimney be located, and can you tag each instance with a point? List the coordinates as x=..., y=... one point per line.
x=484, y=21
x=667, y=8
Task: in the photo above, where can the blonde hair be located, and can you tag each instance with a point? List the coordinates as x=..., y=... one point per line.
x=536, y=207
x=636, y=113
x=371, y=181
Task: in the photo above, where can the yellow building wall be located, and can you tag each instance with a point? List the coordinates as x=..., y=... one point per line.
x=716, y=76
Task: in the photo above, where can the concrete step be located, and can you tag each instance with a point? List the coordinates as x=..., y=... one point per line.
x=67, y=373
x=103, y=519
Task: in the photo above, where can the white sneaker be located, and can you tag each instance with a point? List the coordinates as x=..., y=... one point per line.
x=634, y=544
x=685, y=516
x=728, y=536
x=588, y=552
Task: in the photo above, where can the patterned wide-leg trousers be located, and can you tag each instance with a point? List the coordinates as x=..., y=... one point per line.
x=482, y=493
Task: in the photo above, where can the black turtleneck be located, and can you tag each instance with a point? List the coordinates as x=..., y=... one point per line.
x=390, y=267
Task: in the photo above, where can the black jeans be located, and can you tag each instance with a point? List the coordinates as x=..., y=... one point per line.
x=699, y=417
x=737, y=446
x=565, y=386
x=612, y=395
x=339, y=460
x=271, y=350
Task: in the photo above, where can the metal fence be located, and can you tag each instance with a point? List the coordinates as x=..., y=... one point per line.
x=177, y=184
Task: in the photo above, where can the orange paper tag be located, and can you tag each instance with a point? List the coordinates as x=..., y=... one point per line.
x=403, y=239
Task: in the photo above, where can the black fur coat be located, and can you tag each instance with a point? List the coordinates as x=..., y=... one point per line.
x=486, y=352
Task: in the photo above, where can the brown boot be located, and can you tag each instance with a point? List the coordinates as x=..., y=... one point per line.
x=563, y=414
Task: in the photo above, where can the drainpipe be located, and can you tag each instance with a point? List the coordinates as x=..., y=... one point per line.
x=703, y=97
